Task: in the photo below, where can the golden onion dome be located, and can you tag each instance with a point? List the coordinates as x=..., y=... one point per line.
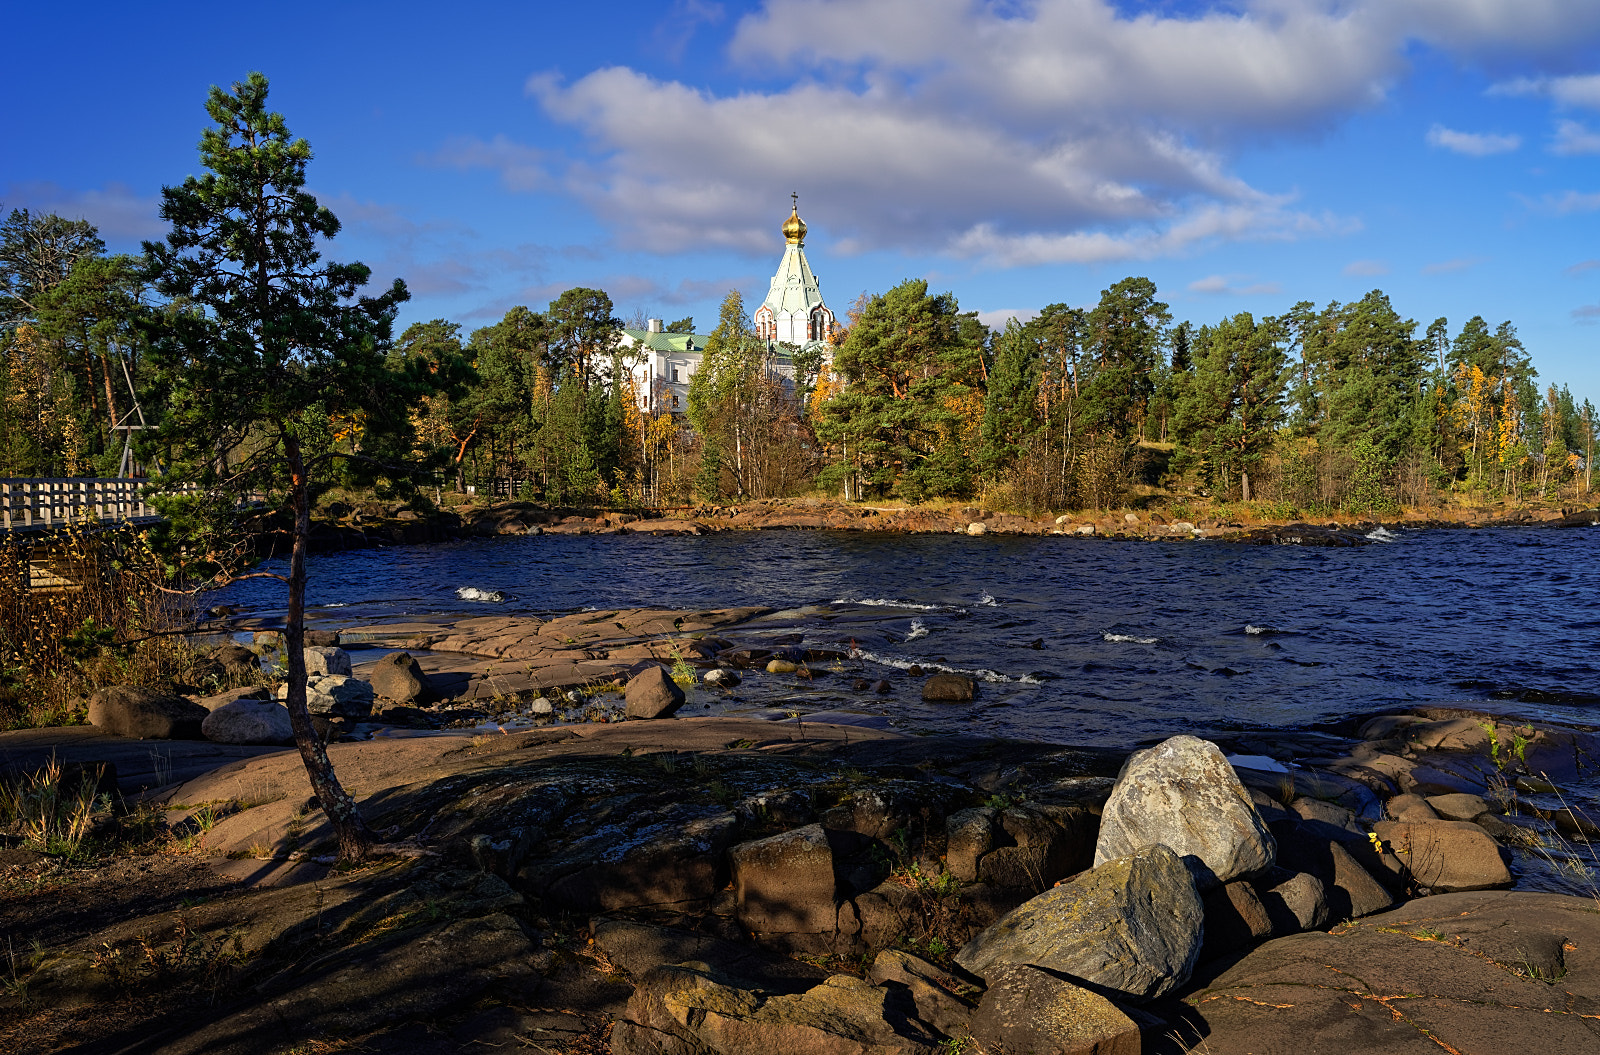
x=794, y=228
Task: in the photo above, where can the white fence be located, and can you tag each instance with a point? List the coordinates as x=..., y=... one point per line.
x=43, y=502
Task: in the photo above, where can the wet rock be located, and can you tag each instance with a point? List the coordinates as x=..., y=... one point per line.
x=1183, y=794
x=321, y=659
x=1026, y=1009
x=1446, y=856
x=782, y=666
x=722, y=679
x=398, y=677
x=949, y=688
x=146, y=714
x=860, y=685
x=248, y=720
x=883, y=687
x=652, y=693
x=1132, y=926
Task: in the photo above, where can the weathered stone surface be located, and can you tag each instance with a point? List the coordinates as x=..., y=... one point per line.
x=1132, y=926
x=335, y=695
x=147, y=714
x=1183, y=794
x=1456, y=807
x=397, y=677
x=1295, y=904
x=688, y=1009
x=652, y=693
x=722, y=679
x=1454, y=734
x=1235, y=919
x=322, y=638
x=949, y=688
x=1484, y=972
x=1446, y=856
x=942, y=1000
x=237, y=661
x=1349, y=887
x=249, y=721
x=250, y=692
x=670, y=856
x=639, y=947
x=1409, y=807
x=1026, y=1009
x=785, y=884
x=327, y=659
x=1040, y=845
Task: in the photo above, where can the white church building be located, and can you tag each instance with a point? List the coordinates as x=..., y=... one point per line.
x=793, y=317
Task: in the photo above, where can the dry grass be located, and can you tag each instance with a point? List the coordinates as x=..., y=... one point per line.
x=95, y=615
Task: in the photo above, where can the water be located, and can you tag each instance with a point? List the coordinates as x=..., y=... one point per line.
x=1136, y=640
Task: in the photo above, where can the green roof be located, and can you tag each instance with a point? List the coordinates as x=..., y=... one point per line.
x=669, y=342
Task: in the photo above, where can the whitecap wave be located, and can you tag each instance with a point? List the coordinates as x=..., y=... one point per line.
x=883, y=602
x=472, y=593
x=917, y=630
x=1257, y=631
x=988, y=601
x=1382, y=534
x=1130, y=639
x=979, y=673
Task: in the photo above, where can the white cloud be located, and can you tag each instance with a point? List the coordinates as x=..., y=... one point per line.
x=521, y=168
x=1366, y=267
x=1575, y=138
x=1013, y=133
x=115, y=209
x=1581, y=90
x=1451, y=267
x=1472, y=144
x=1565, y=204
x=997, y=318
x=1225, y=284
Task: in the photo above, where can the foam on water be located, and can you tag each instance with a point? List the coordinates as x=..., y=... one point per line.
x=1382, y=534
x=917, y=630
x=1129, y=638
x=988, y=601
x=472, y=593
x=906, y=664
x=881, y=602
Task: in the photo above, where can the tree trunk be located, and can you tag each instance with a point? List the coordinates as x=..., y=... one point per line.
x=355, y=838
x=1244, y=482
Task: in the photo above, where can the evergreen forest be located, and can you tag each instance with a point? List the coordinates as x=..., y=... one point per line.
x=1346, y=407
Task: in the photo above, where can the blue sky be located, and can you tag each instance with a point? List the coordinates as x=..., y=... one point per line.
x=1245, y=156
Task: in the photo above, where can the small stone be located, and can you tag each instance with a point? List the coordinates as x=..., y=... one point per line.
x=782, y=666
x=327, y=659
x=882, y=687
x=1458, y=807
x=977, y=528
x=1130, y=518
x=540, y=705
x=723, y=679
x=398, y=677
x=1086, y=529
x=652, y=694
x=949, y=688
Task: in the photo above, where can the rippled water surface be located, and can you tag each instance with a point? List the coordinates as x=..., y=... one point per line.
x=1135, y=639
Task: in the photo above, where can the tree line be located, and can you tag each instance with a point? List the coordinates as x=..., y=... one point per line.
x=1350, y=406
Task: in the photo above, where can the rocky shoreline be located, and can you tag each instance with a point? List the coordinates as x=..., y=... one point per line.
x=377, y=524
x=733, y=885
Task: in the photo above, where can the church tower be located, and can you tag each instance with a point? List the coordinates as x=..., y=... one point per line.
x=794, y=312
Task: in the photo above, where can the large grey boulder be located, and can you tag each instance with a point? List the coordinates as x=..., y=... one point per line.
x=148, y=714
x=398, y=677
x=248, y=720
x=1029, y=1010
x=652, y=694
x=1131, y=928
x=1183, y=794
x=322, y=659
x=335, y=695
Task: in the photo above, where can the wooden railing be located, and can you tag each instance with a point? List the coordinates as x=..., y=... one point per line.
x=43, y=502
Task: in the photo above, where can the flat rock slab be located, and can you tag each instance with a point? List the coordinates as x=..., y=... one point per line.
x=1473, y=973
x=141, y=764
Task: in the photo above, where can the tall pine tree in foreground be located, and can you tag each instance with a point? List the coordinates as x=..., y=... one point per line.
x=275, y=371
